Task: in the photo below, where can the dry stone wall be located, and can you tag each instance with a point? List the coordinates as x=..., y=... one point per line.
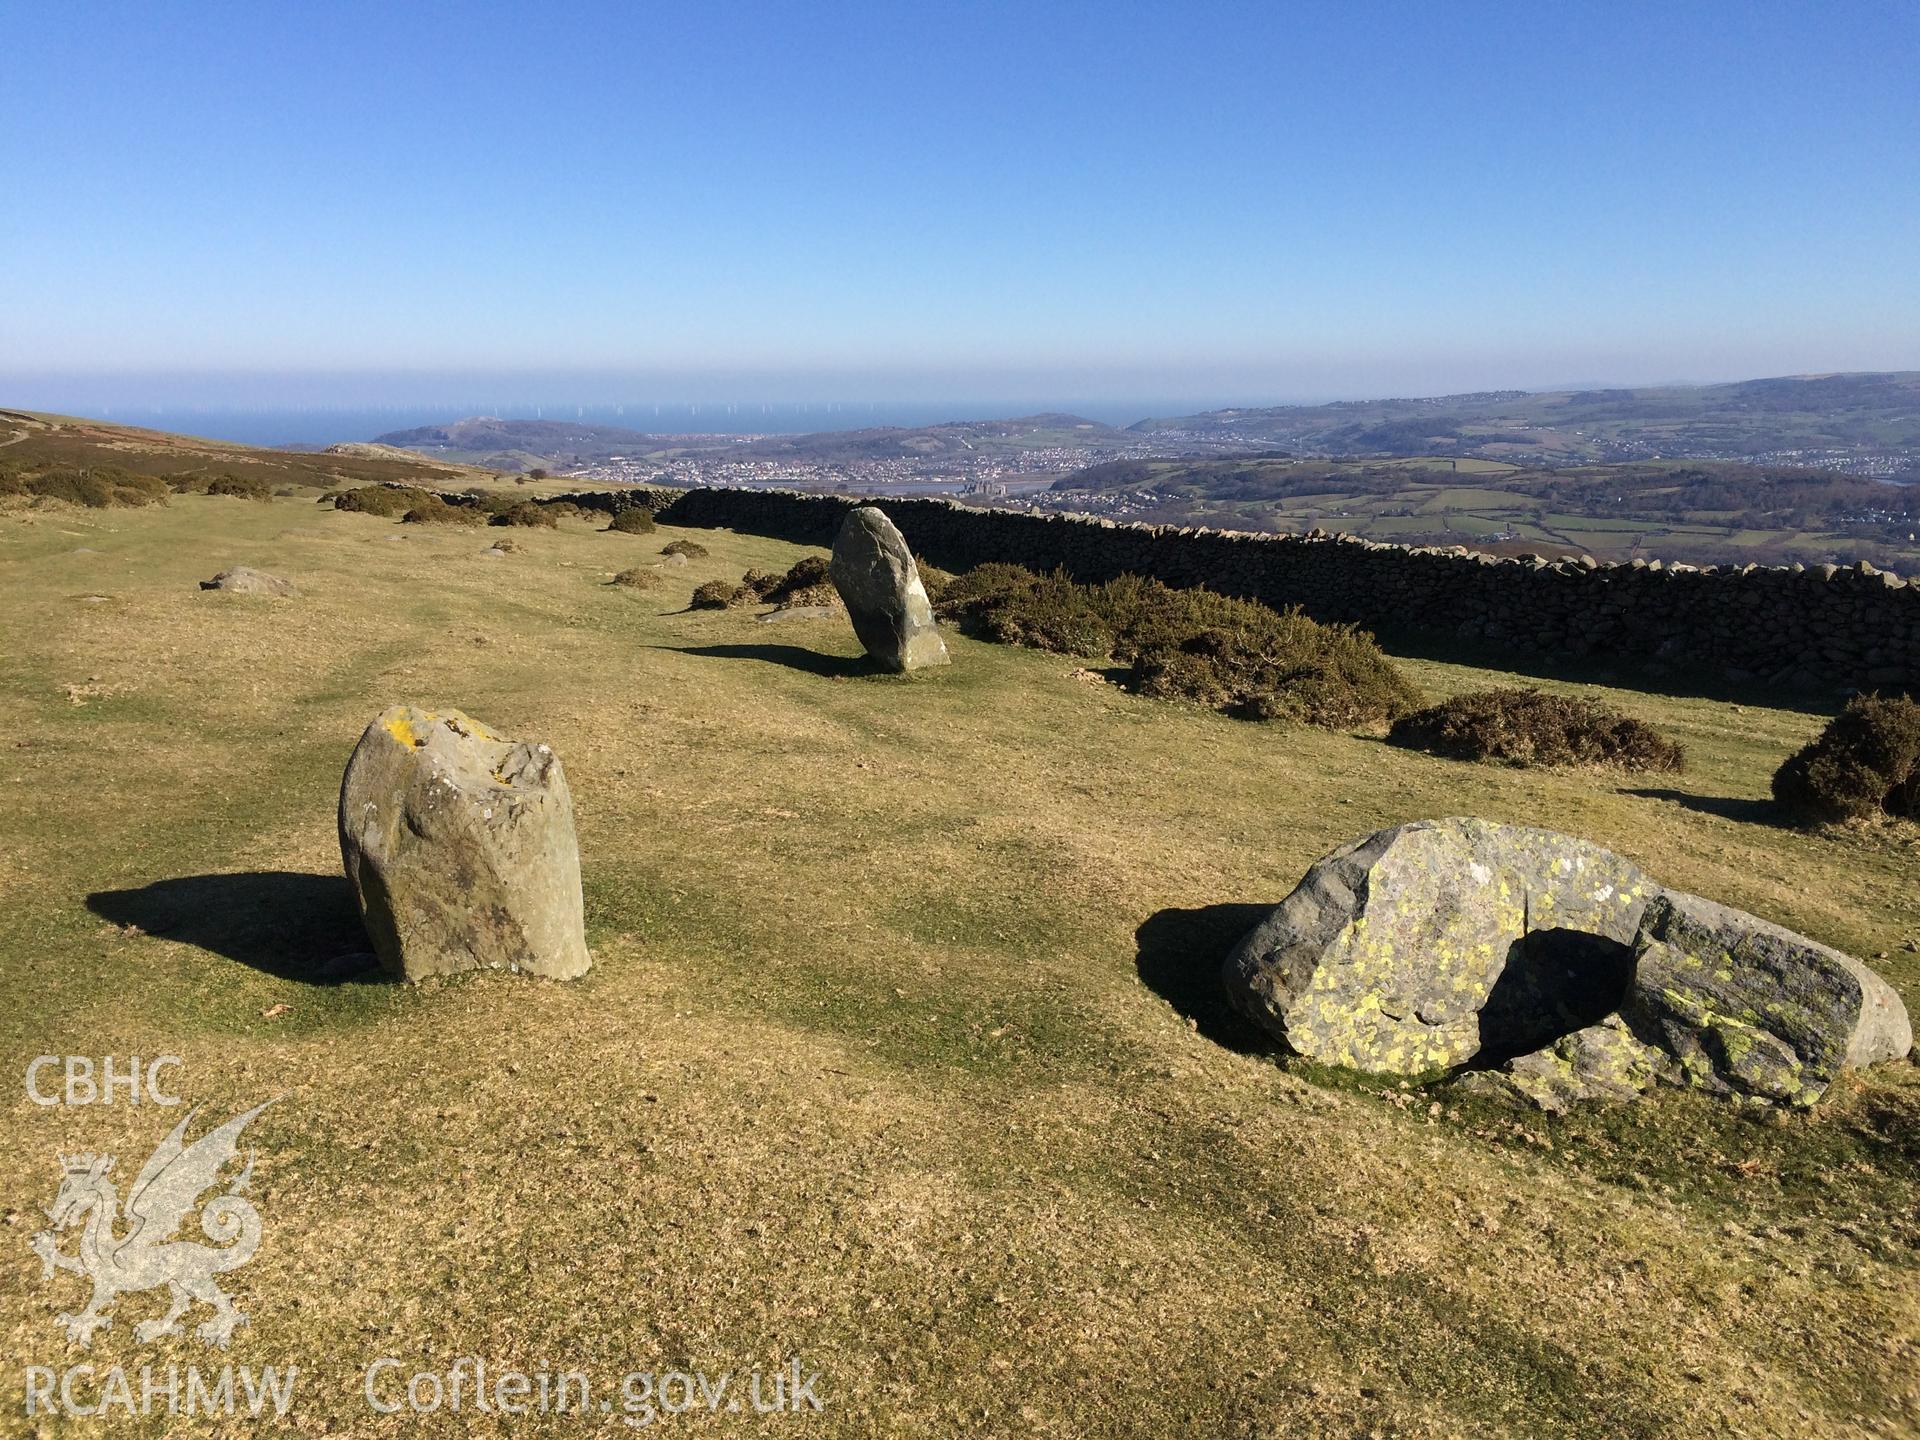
x=1822, y=628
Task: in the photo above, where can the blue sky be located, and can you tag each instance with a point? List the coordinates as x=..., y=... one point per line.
x=350, y=201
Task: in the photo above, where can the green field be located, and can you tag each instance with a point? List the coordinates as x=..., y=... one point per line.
x=902, y=1052
x=1613, y=512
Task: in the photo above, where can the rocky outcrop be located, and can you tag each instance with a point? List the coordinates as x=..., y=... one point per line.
x=1720, y=1001
x=460, y=846
x=1606, y=1061
x=1416, y=949
x=873, y=570
x=1745, y=1007
x=244, y=580
x=1556, y=970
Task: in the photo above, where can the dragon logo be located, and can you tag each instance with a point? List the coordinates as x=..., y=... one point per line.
x=148, y=1256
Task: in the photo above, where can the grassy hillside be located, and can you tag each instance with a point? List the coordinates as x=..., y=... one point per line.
x=902, y=1052
x=36, y=446
x=31, y=442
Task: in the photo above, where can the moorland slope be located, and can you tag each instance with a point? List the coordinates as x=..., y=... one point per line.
x=903, y=1051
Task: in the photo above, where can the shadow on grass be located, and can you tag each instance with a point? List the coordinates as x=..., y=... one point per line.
x=1181, y=952
x=1727, y=807
x=290, y=925
x=794, y=657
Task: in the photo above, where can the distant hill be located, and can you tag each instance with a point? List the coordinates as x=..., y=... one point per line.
x=1864, y=423
x=371, y=450
x=32, y=443
x=522, y=444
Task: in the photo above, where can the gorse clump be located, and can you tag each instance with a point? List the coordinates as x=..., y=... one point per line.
x=240, y=487
x=387, y=500
x=1237, y=656
x=714, y=595
x=529, y=514
x=1866, y=762
x=692, y=549
x=806, y=582
x=637, y=579
x=493, y=502
x=99, y=487
x=1263, y=664
x=436, y=511
x=632, y=520
x=1527, y=727
x=1013, y=606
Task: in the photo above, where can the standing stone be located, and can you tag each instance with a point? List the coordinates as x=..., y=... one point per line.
x=874, y=572
x=460, y=846
x=1414, y=949
x=1745, y=1007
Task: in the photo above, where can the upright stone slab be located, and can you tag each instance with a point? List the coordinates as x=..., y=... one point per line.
x=460, y=846
x=874, y=572
x=1413, y=948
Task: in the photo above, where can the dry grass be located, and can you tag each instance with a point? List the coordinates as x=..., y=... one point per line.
x=866, y=1070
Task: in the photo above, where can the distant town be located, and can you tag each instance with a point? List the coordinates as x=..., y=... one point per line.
x=998, y=477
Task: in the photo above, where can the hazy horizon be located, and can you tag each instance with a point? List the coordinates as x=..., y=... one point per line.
x=268, y=410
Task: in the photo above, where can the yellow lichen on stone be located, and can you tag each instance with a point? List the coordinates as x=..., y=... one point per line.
x=413, y=728
x=409, y=726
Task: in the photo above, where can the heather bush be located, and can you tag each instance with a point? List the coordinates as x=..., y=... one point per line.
x=1265, y=664
x=1237, y=656
x=714, y=595
x=436, y=511
x=807, y=582
x=1013, y=606
x=387, y=500
x=529, y=514
x=1527, y=727
x=692, y=549
x=638, y=579
x=98, y=487
x=240, y=487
